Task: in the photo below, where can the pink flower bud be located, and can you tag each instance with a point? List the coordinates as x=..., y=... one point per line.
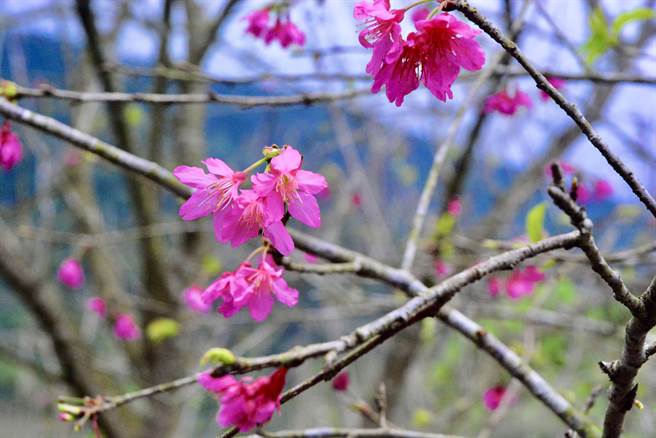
x=341, y=381
x=98, y=306
x=70, y=273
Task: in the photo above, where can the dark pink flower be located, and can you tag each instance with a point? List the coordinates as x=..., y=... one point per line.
x=441, y=269
x=454, y=208
x=192, y=297
x=602, y=190
x=493, y=397
x=505, y=104
x=215, y=191
x=557, y=83
x=70, y=273
x=246, y=403
x=420, y=13
x=286, y=32
x=382, y=31
x=231, y=288
x=341, y=381
x=493, y=286
x=287, y=182
x=523, y=282
x=250, y=214
x=582, y=194
x=125, y=328
x=258, y=23
x=98, y=306
x=11, y=150
x=434, y=54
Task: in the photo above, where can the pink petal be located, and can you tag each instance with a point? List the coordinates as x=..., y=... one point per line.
x=288, y=160
x=199, y=204
x=193, y=176
x=306, y=210
x=279, y=237
x=285, y=294
x=260, y=306
x=218, y=167
x=311, y=182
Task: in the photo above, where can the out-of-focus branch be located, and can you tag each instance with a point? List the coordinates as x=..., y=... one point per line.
x=331, y=432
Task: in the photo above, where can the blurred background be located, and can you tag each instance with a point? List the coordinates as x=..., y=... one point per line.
x=139, y=256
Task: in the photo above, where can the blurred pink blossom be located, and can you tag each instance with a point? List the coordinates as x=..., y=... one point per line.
x=493, y=397
x=505, y=104
x=98, y=306
x=125, y=328
x=70, y=273
x=11, y=150
x=192, y=297
x=341, y=381
x=557, y=83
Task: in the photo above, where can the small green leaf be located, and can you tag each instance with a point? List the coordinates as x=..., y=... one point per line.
x=600, y=39
x=422, y=418
x=133, y=114
x=638, y=14
x=162, y=329
x=535, y=222
x=211, y=265
x=218, y=356
x=444, y=225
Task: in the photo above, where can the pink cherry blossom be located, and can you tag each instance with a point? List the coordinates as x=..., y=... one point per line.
x=125, y=328
x=602, y=190
x=286, y=32
x=493, y=397
x=250, y=214
x=287, y=182
x=11, y=150
x=382, y=32
x=70, y=273
x=557, y=83
x=454, y=208
x=246, y=403
x=98, y=306
x=506, y=104
x=523, y=282
x=420, y=13
x=192, y=297
x=441, y=268
x=258, y=23
x=215, y=191
x=231, y=288
x=493, y=286
x=341, y=381
x=434, y=54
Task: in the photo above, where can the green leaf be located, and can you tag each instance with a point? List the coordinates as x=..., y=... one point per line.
x=600, y=39
x=565, y=291
x=638, y=14
x=162, y=329
x=218, y=356
x=444, y=225
x=133, y=114
x=211, y=265
x=535, y=222
x=422, y=418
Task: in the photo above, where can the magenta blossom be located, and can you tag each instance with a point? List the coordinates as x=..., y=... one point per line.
x=454, y=208
x=70, y=273
x=493, y=397
x=602, y=190
x=98, y=306
x=258, y=23
x=215, y=191
x=192, y=297
x=341, y=381
x=246, y=403
x=557, y=83
x=493, y=286
x=419, y=14
x=286, y=32
x=583, y=195
x=506, y=104
x=250, y=214
x=287, y=182
x=434, y=54
x=382, y=32
x=231, y=288
x=11, y=150
x=522, y=283
x=125, y=328
x=441, y=268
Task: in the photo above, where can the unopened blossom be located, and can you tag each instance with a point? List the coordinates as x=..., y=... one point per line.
x=287, y=182
x=215, y=190
x=125, y=328
x=433, y=56
x=286, y=32
x=493, y=397
x=193, y=299
x=602, y=190
x=11, y=150
x=523, y=282
x=341, y=381
x=454, y=208
x=231, y=288
x=258, y=23
x=71, y=274
x=246, y=403
x=557, y=83
x=505, y=104
x=248, y=215
x=381, y=32
x=493, y=286
x=98, y=306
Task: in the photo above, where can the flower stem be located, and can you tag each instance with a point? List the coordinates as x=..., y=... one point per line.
x=417, y=3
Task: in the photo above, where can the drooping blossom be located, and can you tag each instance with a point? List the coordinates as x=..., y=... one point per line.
x=286, y=32
x=381, y=32
x=557, y=83
x=493, y=286
x=341, y=381
x=493, y=397
x=523, y=282
x=125, y=328
x=98, y=306
x=192, y=297
x=454, y=207
x=248, y=402
x=420, y=13
x=433, y=55
x=602, y=190
x=258, y=23
x=287, y=182
x=11, y=150
x=215, y=191
x=505, y=104
x=441, y=268
x=250, y=214
x=254, y=288
x=71, y=274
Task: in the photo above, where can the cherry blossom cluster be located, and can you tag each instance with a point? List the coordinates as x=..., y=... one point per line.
x=282, y=29
x=433, y=54
x=283, y=190
x=519, y=284
x=508, y=103
x=11, y=150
